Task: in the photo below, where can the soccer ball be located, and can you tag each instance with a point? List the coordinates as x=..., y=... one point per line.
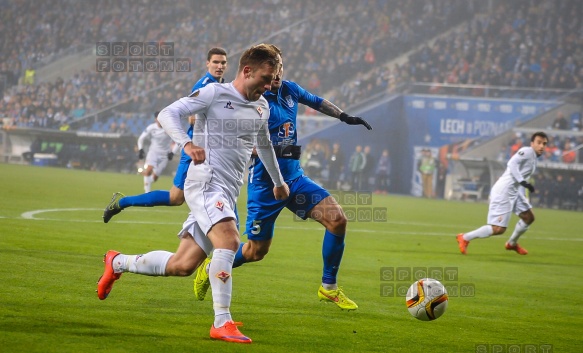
x=427, y=299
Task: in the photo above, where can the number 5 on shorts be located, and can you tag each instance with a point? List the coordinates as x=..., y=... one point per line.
x=256, y=227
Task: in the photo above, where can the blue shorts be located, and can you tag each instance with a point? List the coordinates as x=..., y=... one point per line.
x=181, y=172
x=263, y=208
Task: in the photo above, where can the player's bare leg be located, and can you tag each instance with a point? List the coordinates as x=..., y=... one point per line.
x=176, y=196
x=255, y=250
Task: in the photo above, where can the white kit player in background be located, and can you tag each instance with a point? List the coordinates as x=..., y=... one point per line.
x=508, y=195
x=159, y=152
x=232, y=119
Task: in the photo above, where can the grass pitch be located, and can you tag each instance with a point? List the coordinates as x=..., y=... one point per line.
x=52, y=240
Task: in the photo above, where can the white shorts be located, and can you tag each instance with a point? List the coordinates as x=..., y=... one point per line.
x=191, y=226
x=502, y=206
x=157, y=160
x=207, y=199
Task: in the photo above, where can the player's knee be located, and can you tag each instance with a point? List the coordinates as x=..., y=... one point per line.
x=259, y=254
x=183, y=269
x=498, y=230
x=176, y=196
x=527, y=217
x=176, y=201
x=337, y=223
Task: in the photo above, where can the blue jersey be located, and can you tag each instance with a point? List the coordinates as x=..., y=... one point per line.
x=283, y=111
x=205, y=80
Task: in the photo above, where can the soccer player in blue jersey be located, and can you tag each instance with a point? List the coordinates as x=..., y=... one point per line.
x=217, y=65
x=307, y=199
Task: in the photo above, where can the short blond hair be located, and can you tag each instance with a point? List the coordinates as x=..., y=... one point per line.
x=258, y=55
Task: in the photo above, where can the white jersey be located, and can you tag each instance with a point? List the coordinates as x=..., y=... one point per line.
x=228, y=127
x=160, y=142
x=519, y=168
x=507, y=195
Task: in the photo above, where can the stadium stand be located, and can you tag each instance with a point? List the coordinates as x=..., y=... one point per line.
x=519, y=50
x=319, y=54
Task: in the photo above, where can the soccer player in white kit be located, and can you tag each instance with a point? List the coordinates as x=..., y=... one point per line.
x=232, y=120
x=159, y=153
x=507, y=196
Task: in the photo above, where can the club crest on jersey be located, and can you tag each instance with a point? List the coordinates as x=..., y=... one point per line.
x=286, y=130
x=223, y=276
x=260, y=111
x=195, y=93
x=521, y=153
x=229, y=105
x=219, y=205
x=289, y=101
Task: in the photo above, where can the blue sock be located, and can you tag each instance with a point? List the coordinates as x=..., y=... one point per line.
x=239, y=258
x=154, y=198
x=332, y=250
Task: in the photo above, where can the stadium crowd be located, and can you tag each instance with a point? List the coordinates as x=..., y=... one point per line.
x=521, y=44
x=517, y=45
x=320, y=54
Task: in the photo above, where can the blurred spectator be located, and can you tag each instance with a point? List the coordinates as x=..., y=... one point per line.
x=367, y=169
x=113, y=127
x=572, y=188
x=335, y=165
x=314, y=160
x=356, y=165
x=123, y=128
x=383, y=172
x=560, y=122
x=569, y=154
x=518, y=143
x=427, y=166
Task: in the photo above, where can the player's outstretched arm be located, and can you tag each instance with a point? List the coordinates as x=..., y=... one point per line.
x=332, y=110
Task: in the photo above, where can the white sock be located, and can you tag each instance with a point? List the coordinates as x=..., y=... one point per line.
x=482, y=232
x=148, y=180
x=220, y=270
x=151, y=264
x=520, y=228
x=328, y=286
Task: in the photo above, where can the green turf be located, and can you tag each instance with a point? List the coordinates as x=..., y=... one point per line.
x=50, y=262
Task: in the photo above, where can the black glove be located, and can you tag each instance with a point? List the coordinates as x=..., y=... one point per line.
x=170, y=156
x=141, y=154
x=353, y=120
x=527, y=185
